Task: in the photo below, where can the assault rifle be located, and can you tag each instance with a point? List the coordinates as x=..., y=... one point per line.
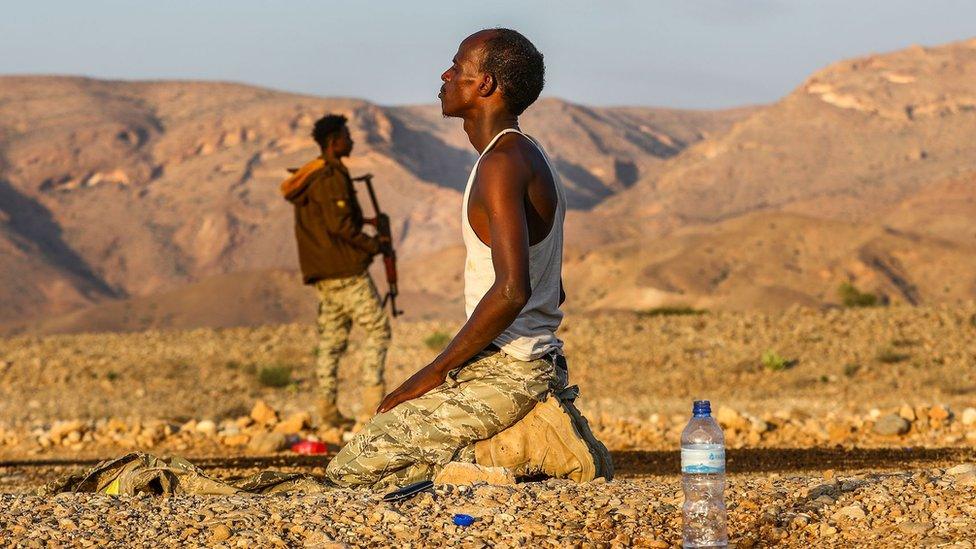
x=382, y=223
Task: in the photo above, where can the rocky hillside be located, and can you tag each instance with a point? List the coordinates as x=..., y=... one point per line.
x=865, y=174
x=114, y=190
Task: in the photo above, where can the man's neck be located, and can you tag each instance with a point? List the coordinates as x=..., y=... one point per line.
x=330, y=157
x=482, y=127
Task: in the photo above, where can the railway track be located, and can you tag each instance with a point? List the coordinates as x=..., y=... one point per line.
x=630, y=463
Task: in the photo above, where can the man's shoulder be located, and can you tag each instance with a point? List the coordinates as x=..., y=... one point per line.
x=331, y=179
x=507, y=159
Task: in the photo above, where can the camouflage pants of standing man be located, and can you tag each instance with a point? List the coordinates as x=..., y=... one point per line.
x=416, y=439
x=343, y=301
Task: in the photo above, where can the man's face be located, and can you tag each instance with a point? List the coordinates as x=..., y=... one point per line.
x=342, y=143
x=463, y=79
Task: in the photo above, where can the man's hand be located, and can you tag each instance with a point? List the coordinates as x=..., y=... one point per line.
x=426, y=379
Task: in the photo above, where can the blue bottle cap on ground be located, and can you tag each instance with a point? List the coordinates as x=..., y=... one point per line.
x=463, y=520
x=702, y=408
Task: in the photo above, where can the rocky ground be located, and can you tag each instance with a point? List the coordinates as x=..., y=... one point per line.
x=818, y=408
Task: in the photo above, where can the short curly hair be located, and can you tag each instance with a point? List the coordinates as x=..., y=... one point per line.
x=328, y=127
x=517, y=67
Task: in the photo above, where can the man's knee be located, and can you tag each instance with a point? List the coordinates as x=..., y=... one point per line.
x=378, y=331
x=341, y=472
x=383, y=331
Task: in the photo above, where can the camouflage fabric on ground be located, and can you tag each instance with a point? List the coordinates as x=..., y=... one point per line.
x=142, y=473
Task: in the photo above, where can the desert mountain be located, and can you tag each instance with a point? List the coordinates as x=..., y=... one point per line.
x=156, y=201
x=865, y=174
x=128, y=190
x=851, y=142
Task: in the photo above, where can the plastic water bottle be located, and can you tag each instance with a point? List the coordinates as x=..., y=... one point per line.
x=703, y=480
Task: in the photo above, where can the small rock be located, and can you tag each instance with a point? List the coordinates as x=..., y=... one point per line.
x=907, y=412
x=915, y=528
x=267, y=443
x=961, y=469
x=966, y=479
x=892, y=424
x=969, y=416
x=207, y=427
x=220, y=533
x=939, y=413
x=294, y=424
x=851, y=512
x=236, y=440
x=64, y=429
x=731, y=419
x=264, y=414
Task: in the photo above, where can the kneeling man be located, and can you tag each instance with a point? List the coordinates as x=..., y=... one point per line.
x=497, y=395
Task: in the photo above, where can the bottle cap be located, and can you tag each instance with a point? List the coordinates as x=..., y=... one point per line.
x=702, y=408
x=463, y=520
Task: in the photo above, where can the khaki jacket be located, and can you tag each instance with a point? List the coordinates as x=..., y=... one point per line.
x=328, y=222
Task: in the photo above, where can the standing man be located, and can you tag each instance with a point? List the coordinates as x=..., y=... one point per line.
x=496, y=396
x=334, y=254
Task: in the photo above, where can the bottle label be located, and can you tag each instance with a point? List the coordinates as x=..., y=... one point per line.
x=703, y=458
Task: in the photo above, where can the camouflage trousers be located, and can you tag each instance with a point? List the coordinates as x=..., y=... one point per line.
x=415, y=440
x=343, y=301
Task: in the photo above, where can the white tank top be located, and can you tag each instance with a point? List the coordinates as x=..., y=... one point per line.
x=533, y=333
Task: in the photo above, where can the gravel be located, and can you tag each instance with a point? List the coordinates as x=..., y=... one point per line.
x=195, y=393
x=894, y=509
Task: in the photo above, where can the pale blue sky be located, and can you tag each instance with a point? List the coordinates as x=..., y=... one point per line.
x=680, y=53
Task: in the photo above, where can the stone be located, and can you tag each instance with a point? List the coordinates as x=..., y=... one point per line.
x=236, y=440
x=293, y=424
x=468, y=473
x=969, y=416
x=267, y=443
x=915, y=528
x=64, y=429
x=907, y=412
x=263, y=414
x=851, y=512
x=966, y=479
x=219, y=533
x=207, y=427
x=892, y=424
x=731, y=419
x=961, y=469
x=939, y=413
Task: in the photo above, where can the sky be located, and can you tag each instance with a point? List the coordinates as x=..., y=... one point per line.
x=677, y=53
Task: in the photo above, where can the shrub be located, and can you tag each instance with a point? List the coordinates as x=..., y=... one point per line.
x=275, y=376
x=773, y=362
x=671, y=311
x=437, y=341
x=891, y=356
x=850, y=296
x=851, y=369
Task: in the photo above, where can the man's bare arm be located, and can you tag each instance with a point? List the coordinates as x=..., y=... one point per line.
x=501, y=187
